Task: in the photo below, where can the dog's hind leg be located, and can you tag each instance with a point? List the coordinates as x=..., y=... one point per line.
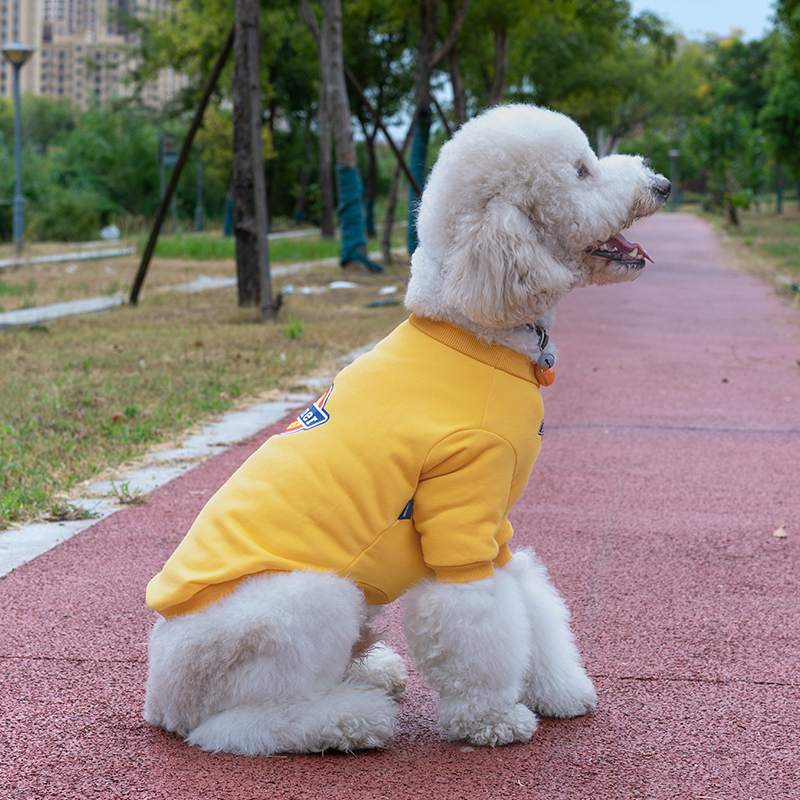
x=264, y=670
x=381, y=668
x=374, y=662
x=556, y=684
x=346, y=718
x=472, y=643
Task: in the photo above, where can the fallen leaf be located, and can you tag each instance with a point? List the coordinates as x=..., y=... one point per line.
x=781, y=532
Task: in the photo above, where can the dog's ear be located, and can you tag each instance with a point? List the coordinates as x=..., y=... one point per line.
x=497, y=271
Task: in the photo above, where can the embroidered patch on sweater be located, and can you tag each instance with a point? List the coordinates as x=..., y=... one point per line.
x=314, y=416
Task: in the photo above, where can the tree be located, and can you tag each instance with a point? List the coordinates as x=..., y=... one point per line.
x=591, y=60
x=45, y=121
x=250, y=217
x=349, y=184
x=478, y=63
x=323, y=126
x=727, y=136
x=376, y=43
x=780, y=116
x=428, y=59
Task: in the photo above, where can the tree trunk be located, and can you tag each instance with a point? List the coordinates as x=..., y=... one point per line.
x=349, y=184
x=371, y=183
x=269, y=167
x=498, y=87
x=250, y=196
x=244, y=211
x=459, y=93
x=418, y=164
x=388, y=223
x=333, y=66
x=428, y=58
x=301, y=200
x=391, y=205
x=327, y=223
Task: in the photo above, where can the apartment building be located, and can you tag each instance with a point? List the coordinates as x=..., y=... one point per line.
x=19, y=22
x=82, y=49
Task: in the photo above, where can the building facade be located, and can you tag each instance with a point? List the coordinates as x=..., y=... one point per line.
x=82, y=50
x=20, y=22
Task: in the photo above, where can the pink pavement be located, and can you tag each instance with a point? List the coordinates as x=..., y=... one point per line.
x=670, y=457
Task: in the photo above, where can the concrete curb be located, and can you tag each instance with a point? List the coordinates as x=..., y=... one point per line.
x=18, y=546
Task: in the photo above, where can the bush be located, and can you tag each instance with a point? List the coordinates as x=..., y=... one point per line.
x=68, y=215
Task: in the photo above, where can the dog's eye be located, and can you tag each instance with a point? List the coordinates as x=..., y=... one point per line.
x=582, y=171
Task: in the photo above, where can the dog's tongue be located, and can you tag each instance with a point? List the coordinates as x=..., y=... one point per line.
x=620, y=241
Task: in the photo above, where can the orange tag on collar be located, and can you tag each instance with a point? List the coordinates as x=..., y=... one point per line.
x=544, y=376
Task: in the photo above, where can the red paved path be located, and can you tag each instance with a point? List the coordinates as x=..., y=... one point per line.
x=670, y=457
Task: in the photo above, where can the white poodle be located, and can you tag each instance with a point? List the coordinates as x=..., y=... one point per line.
x=399, y=480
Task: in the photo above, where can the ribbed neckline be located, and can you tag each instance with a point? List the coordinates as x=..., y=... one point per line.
x=494, y=355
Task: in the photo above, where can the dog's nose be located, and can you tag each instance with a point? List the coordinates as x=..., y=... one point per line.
x=662, y=187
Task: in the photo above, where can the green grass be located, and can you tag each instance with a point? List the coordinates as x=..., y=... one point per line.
x=787, y=252
x=89, y=393
x=770, y=242
x=766, y=244
x=215, y=248
x=200, y=248
x=16, y=290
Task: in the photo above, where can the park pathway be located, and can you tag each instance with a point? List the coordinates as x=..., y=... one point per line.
x=670, y=460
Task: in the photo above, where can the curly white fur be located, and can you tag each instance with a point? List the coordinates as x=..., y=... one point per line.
x=513, y=202
x=509, y=216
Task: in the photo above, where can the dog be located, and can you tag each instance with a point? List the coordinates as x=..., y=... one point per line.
x=399, y=480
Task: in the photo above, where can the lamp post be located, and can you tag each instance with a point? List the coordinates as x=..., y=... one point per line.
x=17, y=53
x=673, y=177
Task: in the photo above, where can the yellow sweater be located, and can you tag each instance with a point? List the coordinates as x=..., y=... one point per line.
x=432, y=415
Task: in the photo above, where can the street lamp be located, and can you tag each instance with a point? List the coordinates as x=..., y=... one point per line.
x=17, y=53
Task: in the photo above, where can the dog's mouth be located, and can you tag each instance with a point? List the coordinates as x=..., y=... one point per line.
x=621, y=251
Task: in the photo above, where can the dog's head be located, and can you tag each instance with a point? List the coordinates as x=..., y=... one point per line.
x=518, y=210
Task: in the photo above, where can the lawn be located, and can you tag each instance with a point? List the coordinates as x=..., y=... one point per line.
x=177, y=259
x=281, y=251
x=767, y=245
x=88, y=393
x=85, y=394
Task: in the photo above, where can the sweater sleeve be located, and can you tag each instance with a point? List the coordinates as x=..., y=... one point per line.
x=461, y=504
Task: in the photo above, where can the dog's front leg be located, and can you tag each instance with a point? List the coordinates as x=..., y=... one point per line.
x=472, y=643
x=556, y=684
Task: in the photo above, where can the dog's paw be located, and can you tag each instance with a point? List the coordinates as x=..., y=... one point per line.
x=516, y=725
x=381, y=668
x=570, y=699
x=350, y=733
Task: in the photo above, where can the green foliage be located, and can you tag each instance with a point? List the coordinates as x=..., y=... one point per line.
x=93, y=167
x=631, y=83
x=780, y=116
x=593, y=61
x=90, y=159
x=727, y=136
x=68, y=214
x=712, y=110
x=44, y=122
x=295, y=329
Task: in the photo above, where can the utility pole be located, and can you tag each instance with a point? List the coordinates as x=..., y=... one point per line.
x=17, y=54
